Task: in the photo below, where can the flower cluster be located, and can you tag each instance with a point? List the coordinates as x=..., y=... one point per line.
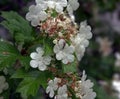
x=55, y=20
x=39, y=11
x=53, y=85
x=64, y=52
x=82, y=88
x=70, y=41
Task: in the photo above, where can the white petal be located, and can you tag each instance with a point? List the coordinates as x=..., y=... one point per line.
x=46, y=60
x=35, y=22
x=61, y=43
x=57, y=80
x=51, y=94
x=56, y=49
x=39, y=1
x=48, y=89
x=50, y=83
x=70, y=10
x=29, y=17
x=117, y=55
x=74, y=4
x=42, y=15
x=69, y=49
x=34, y=63
x=65, y=61
x=63, y=3
x=51, y=4
x=42, y=66
x=40, y=51
x=41, y=7
x=85, y=43
x=34, y=55
x=80, y=52
x=70, y=58
x=59, y=8
x=59, y=56
x=32, y=8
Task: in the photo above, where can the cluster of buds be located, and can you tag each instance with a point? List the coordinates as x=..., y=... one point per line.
x=55, y=20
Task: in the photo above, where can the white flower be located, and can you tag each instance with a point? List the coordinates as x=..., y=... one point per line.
x=85, y=30
x=58, y=5
x=116, y=83
x=36, y=14
x=62, y=93
x=3, y=84
x=84, y=88
x=39, y=60
x=72, y=6
x=52, y=86
x=64, y=52
x=80, y=41
x=117, y=62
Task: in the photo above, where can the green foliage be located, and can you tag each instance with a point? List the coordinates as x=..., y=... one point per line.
x=8, y=54
x=48, y=48
x=31, y=81
x=19, y=28
x=71, y=67
x=25, y=61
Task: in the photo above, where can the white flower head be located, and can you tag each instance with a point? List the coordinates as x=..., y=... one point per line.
x=36, y=14
x=58, y=5
x=85, y=30
x=52, y=86
x=38, y=60
x=84, y=88
x=117, y=62
x=64, y=52
x=80, y=40
x=3, y=84
x=62, y=93
x=72, y=6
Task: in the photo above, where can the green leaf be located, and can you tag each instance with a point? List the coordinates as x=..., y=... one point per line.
x=48, y=46
x=31, y=81
x=29, y=86
x=19, y=28
x=54, y=13
x=25, y=61
x=8, y=54
x=71, y=67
